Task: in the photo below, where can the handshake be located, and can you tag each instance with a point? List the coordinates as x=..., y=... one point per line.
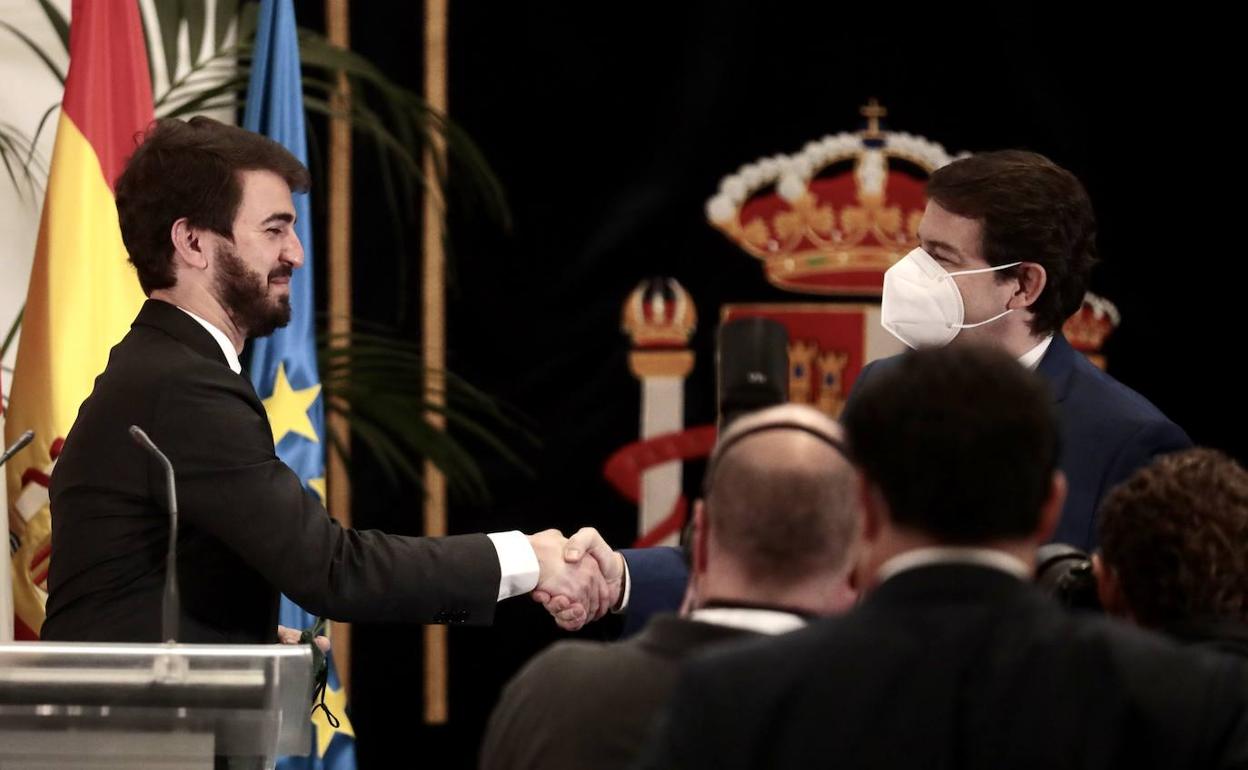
x=580, y=578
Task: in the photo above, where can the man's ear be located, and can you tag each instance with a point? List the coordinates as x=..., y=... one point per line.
x=871, y=504
x=190, y=244
x=700, y=535
x=1032, y=278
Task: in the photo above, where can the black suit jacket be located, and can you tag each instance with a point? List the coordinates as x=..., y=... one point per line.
x=585, y=704
x=247, y=528
x=958, y=667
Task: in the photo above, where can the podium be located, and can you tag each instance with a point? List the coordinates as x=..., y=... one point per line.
x=167, y=706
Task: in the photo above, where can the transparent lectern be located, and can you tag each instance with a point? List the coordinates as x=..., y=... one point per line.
x=166, y=706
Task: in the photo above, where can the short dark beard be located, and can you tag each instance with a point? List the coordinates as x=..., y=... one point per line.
x=245, y=295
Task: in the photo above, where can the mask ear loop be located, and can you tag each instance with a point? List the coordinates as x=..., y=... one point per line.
x=992, y=269
x=974, y=272
x=981, y=323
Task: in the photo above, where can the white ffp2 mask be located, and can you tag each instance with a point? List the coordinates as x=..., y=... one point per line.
x=922, y=305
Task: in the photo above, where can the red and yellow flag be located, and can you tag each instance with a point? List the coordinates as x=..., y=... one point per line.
x=83, y=294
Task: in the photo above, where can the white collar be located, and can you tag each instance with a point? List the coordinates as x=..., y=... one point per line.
x=227, y=347
x=983, y=557
x=1031, y=359
x=763, y=621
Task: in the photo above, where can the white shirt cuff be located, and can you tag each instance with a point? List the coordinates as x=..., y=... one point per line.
x=628, y=589
x=517, y=562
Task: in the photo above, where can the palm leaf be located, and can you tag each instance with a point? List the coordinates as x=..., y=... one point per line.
x=21, y=163
x=376, y=381
x=169, y=17
x=227, y=11
x=8, y=338
x=196, y=15
x=58, y=22
x=33, y=46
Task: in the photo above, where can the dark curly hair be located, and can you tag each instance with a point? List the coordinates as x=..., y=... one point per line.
x=1176, y=534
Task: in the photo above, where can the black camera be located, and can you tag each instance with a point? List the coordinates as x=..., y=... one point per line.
x=1065, y=573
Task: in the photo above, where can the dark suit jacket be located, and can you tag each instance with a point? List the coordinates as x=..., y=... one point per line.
x=1108, y=432
x=247, y=528
x=1218, y=634
x=589, y=705
x=657, y=578
x=955, y=666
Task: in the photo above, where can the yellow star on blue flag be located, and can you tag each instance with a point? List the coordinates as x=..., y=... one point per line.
x=288, y=408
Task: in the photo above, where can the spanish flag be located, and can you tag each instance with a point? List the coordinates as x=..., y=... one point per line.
x=83, y=294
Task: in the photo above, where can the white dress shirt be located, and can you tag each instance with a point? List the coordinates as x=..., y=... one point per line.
x=1031, y=359
x=757, y=619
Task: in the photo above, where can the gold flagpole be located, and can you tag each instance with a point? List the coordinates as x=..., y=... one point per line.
x=338, y=480
x=434, y=328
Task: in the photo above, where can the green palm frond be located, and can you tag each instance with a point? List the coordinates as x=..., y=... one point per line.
x=12, y=333
x=43, y=55
x=21, y=163
x=377, y=382
x=59, y=23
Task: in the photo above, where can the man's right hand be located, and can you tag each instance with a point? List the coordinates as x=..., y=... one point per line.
x=569, y=613
x=585, y=593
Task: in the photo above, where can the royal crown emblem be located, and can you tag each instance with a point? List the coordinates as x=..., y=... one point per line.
x=833, y=217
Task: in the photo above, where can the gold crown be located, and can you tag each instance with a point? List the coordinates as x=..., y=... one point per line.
x=659, y=314
x=833, y=217
x=1088, y=329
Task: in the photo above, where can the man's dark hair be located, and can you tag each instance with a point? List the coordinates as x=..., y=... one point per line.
x=1176, y=535
x=190, y=169
x=1031, y=210
x=961, y=442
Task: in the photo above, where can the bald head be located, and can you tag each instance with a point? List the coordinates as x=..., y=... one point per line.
x=780, y=495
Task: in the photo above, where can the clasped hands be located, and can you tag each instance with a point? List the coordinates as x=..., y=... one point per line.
x=580, y=578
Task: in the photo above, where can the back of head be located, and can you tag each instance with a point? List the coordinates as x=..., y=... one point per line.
x=961, y=442
x=780, y=499
x=190, y=169
x=1031, y=210
x=1176, y=536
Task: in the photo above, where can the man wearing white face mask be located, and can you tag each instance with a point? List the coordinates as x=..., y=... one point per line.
x=1006, y=247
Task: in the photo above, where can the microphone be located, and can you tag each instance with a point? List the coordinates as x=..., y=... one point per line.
x=18, y=445
x=169, y=604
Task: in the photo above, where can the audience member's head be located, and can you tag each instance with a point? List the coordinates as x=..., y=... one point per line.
x=779, y=519
x=1174, y=542
x=957, y=446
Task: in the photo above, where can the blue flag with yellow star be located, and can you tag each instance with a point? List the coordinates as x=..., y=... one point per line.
x=283, y=365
